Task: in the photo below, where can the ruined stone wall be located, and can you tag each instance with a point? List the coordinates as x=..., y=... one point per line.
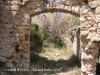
x=15, y=29
x=90, y=35
x=13, y=50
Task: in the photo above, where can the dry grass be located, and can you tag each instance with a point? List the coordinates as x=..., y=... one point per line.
x=52, y=57
x=53, y=53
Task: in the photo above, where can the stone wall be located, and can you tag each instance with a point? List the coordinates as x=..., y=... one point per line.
x=15, y=29
x=90, y=37
x=14, y=49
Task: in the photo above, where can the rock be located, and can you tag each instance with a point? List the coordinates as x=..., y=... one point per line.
x=97, y=11
x=10, y=65
x=14, y=13
x=57, y=54
x=14, y=7
x=98, y=18
x=3, y=59
x=94, y=4
x=27, y=60
x=26, y=55
x=26, y=65
x=9, y=26
x=82, y=19
x=99, y=25
x=15, y=2
x=6, y=53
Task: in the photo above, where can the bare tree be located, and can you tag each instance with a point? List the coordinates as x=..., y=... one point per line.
x=57, y=24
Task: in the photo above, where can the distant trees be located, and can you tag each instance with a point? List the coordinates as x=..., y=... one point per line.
x=54, y=27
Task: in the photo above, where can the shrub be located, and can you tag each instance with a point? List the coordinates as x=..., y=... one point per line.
x=53, y=39
x=35, y=33
x=36, y=38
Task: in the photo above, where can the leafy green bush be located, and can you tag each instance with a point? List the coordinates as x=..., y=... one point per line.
x=36, y=38
x=35, y=33
x=54, y=39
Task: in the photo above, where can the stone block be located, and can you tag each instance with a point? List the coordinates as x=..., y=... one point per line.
x=69, y=8
x=9, y=26
x=26, y=65
x=94, y=4
x=97, y=11
x=66, y=7
x=14, y=13
x=99, y=25
x=89, y=18
x=62, y=6
x=6, y=52
x=98, y=18
x=73, y=7
x=85, y=7
x=10, y=65
x=77, y=8
x=19, y=65
x=3, y=59
x=82, y=19
x=27, y=60
x=84, y=32
x=14, y=7
x=15, y=2
x=26, y=55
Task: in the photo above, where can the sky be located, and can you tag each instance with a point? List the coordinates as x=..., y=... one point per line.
x=59, y=13
x=40, y=15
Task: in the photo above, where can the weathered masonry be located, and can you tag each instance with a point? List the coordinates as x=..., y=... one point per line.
x=15, y=18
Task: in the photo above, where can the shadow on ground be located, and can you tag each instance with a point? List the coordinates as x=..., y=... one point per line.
x=51, y=66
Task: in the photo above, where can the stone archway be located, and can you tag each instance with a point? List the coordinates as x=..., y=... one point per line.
x=15, y=29
x=22, y=19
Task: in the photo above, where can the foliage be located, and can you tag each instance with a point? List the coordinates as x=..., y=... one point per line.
x=53, y=29
x=35, y=33
x=59, y=27
x=75, y=20
x=53, y=39
x=35, y=37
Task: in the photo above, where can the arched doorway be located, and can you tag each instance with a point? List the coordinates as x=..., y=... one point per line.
x=19, y=13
